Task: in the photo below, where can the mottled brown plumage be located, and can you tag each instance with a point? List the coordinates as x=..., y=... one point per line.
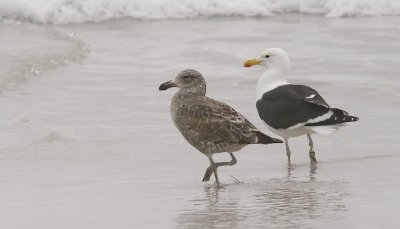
x=209, y=125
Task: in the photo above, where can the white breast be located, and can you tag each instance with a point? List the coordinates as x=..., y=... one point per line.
x=268, y=81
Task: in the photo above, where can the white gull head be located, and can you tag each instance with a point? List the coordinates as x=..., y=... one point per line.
x=277, y=65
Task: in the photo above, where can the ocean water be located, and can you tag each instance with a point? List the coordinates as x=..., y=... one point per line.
x=87, y=140
x=75, y=11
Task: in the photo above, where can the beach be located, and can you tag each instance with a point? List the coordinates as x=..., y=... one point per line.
x=87, y=140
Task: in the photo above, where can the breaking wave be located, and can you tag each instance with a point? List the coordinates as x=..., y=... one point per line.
x=77, y=11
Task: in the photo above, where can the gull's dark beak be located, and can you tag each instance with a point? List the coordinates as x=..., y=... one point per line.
x=166, y=85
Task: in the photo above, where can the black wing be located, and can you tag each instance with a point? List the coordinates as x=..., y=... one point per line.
x=289, y=105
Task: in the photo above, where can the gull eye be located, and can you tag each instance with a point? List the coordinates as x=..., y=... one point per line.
x=266, y=56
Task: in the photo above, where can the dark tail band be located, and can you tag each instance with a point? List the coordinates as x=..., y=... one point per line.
x=339, y=116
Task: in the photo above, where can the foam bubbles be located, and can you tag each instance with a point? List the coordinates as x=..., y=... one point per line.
x=76, y=11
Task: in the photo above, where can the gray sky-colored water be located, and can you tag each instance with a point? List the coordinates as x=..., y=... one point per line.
x=88, y=142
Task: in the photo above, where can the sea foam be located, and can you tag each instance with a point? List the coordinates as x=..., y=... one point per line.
x=76, y=11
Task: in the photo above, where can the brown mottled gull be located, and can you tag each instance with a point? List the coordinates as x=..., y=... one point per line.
x=209, y=125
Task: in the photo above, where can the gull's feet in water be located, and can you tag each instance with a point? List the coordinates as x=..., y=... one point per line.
x=312, y=157
x=208, y=173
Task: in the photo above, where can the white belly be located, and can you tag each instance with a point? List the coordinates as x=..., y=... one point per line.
x=284, y=133
x=303, y=130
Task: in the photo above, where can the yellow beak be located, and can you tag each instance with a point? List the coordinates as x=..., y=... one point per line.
x=252, y=62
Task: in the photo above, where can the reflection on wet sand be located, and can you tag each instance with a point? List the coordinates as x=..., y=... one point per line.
x=278, y=203
x=212, y=211
x=313, y=170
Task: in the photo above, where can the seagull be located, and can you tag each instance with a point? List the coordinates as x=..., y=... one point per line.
x=290, y=110
x=208, y=125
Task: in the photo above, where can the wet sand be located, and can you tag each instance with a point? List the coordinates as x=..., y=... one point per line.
x=92, y=145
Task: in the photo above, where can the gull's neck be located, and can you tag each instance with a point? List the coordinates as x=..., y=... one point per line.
x=189, y=93
x=271, y=79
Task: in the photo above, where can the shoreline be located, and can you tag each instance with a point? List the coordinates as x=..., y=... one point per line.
x=92, y=144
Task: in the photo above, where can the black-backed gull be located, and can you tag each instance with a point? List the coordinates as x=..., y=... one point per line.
x=209, y=125
x=290, y=110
